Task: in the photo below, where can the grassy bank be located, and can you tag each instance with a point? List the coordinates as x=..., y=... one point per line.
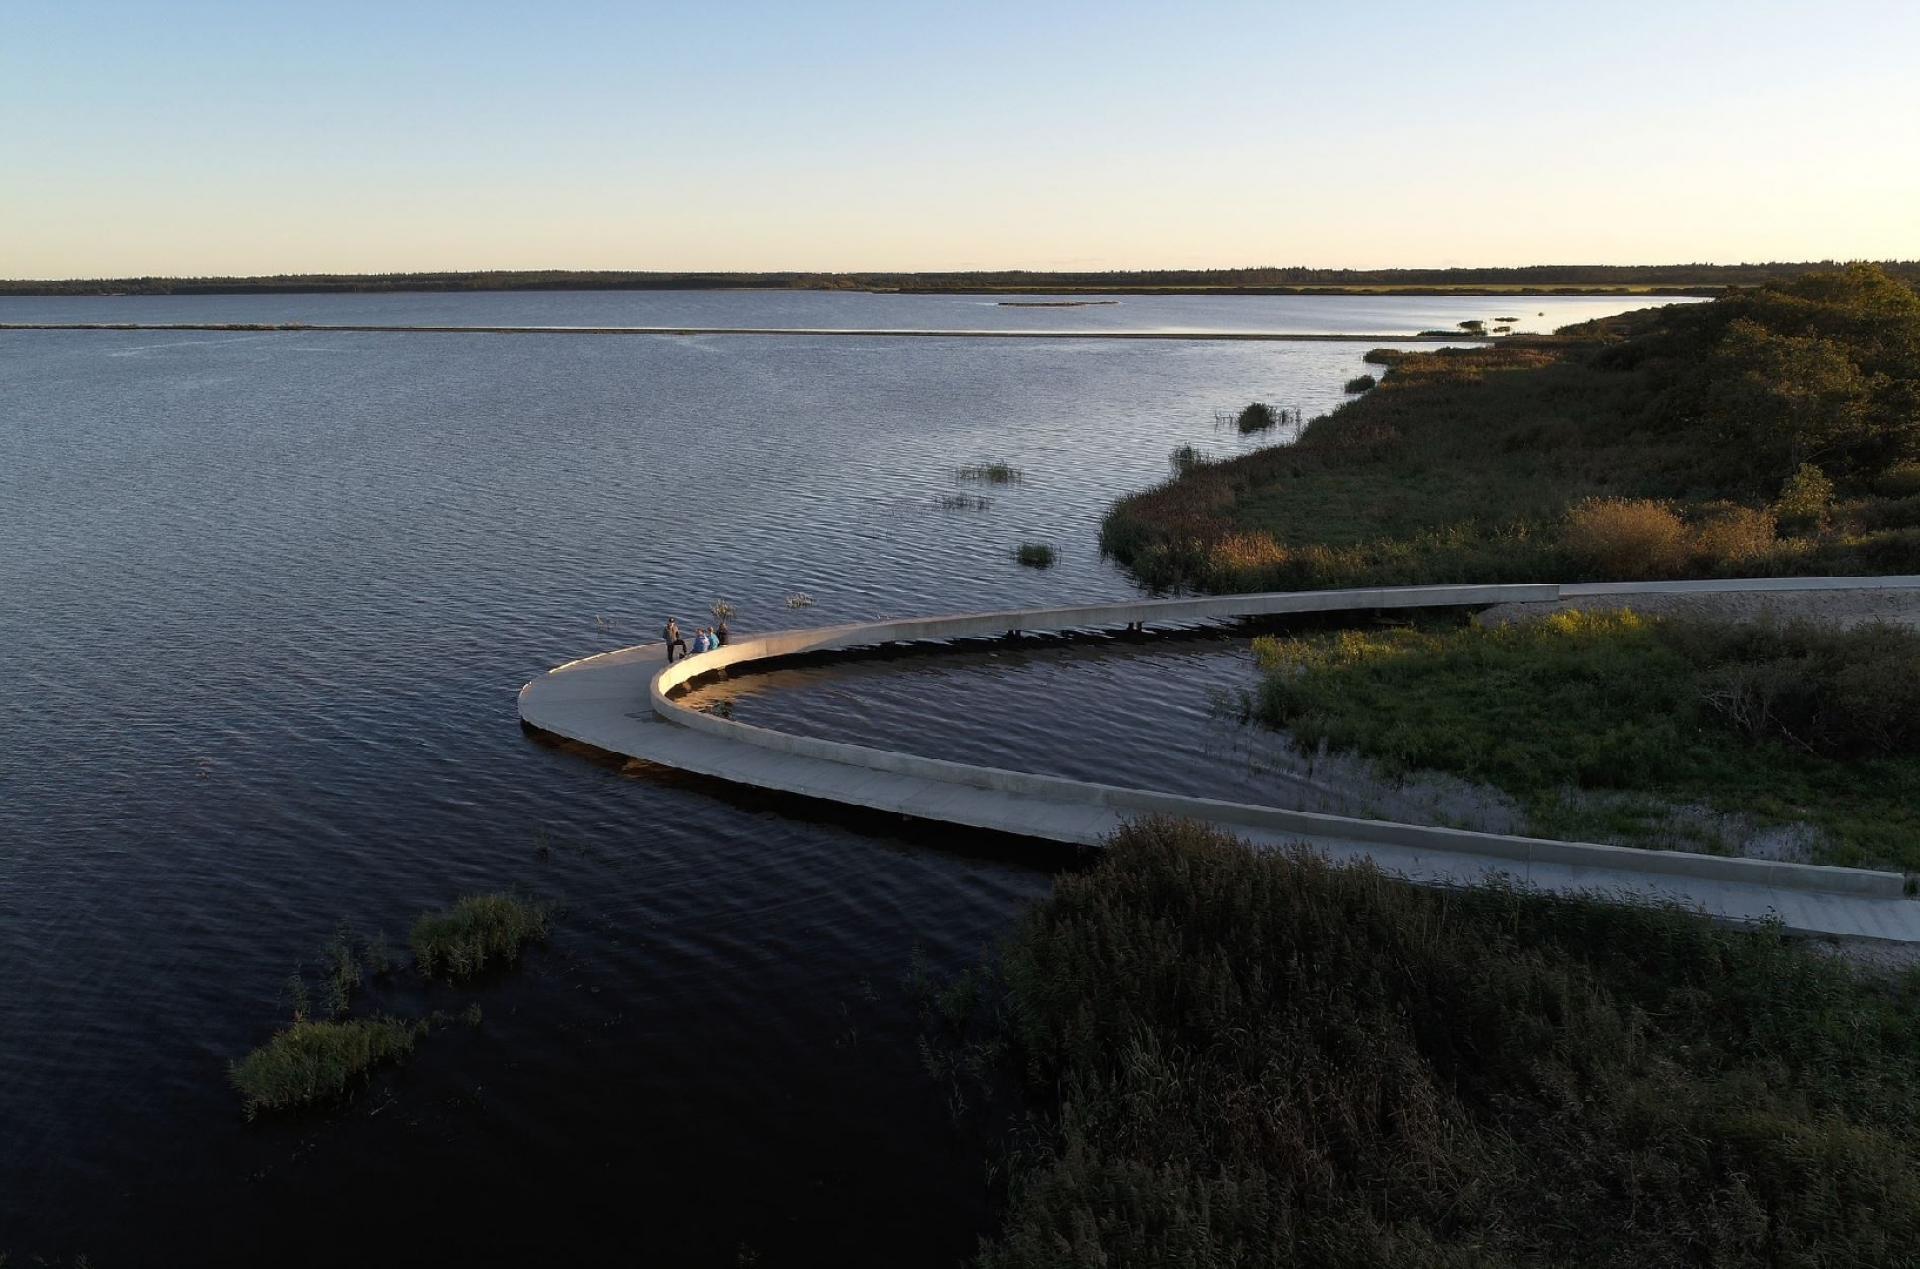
x=1780, y=724
x=1254, y=1060
x=1774, y=431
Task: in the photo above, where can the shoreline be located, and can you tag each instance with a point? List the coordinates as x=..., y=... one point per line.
x=370, y=329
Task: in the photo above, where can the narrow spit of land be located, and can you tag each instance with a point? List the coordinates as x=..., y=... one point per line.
x=339, y=328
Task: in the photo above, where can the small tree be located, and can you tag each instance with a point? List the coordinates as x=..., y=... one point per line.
x=1805, y=498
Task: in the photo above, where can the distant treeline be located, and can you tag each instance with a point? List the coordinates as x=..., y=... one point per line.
x=1541, y=278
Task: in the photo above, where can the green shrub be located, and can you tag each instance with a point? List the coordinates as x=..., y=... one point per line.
x=1805, y=498
x=1185, y=459
x=1035, y=555
x=1895, y=513
x=1260, y=1059
x=1897, y=551
x=1361, y=383
x=1257, y=417
x=312, y=1061
x=1627, y=537
x=478, y=931
x=1730, y=536
x=1899, y=481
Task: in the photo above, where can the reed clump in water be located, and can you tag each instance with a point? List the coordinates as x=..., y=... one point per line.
x=1257, y=417
x=315, y=1061
x=1036, y=555
x=478, y=931
x=994, y=473
x=965, y=502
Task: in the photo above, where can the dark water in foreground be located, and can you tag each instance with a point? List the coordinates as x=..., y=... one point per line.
x=265, y=601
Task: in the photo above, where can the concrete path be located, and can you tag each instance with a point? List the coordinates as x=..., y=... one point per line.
x=621, y=702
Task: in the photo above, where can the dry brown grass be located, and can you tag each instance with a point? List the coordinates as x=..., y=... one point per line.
x=1732, y=535
x=1629, y=538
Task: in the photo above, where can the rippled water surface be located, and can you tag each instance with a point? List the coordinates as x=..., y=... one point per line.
x=265, y=600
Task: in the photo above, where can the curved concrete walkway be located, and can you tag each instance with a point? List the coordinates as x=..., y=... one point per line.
x=621, y=702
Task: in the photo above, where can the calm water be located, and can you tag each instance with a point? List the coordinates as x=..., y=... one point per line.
x=265, y=601
x=1296, y=314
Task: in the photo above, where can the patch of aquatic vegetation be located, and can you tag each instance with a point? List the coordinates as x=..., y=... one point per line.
x=994, y=473
x=965, y=502
x=322, y=1055
x=315, y=1061
x=478, y=931
x=1036, y=555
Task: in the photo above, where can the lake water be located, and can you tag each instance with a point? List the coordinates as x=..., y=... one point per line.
x=265, y=600
x=838, y=310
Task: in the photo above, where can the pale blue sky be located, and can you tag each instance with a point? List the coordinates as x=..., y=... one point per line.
x=204, y=137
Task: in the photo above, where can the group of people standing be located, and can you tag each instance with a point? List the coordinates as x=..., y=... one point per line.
x=705, y=639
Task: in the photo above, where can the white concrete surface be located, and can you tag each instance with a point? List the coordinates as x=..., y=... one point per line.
x=621, y=702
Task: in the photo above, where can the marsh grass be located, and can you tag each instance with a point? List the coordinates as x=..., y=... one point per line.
x=965, y=502
x=341, y=974
x=994, y=473
x=312, y=1062
x=1360, y=383
x=1464, y=464
x=478, y=931
x=1262, y=1059
x=1790, y=723
x=1035, y=555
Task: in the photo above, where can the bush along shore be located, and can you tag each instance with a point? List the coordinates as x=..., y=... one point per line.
x=1253, y=1059
x=321, y=1055
x=1771, y=431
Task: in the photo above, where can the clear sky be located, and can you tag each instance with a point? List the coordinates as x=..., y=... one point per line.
x=197, y=136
